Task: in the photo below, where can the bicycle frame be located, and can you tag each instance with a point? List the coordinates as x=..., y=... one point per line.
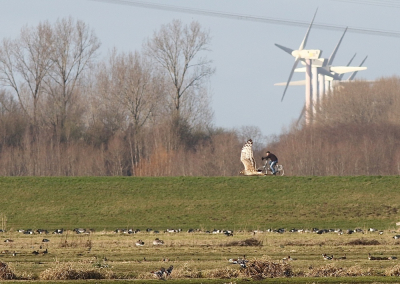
x=278, y=169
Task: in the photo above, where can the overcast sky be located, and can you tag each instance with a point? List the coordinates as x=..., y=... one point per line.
x=243, y=52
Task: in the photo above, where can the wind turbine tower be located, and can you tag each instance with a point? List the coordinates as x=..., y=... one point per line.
x=307, y=56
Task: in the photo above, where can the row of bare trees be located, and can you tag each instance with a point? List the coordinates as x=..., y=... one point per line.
x=355, y=132
x=66, y=112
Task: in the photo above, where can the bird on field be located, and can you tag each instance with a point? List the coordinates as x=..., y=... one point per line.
x=35, y=252
x=392, y=257
x=8, y=241
x=396, y=237
x=158, y=242
x=327, y=257
x=139, y=243
x=169, y=270
x=228, y=233
x=370, y=257
x=247, y=158
x=45, y=240
x=241, y=261
x=44, y=252
x=289, y=258
x=159, y=273
x=162, y=273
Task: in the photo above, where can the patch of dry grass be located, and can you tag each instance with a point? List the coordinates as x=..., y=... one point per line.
x=393, y=271
x=5, y=272
x=263, y=268
x=363, y=242
x=75, y=271
x=332, y=270
x=247, y=242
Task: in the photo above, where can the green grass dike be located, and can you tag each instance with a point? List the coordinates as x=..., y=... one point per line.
x=236, y=203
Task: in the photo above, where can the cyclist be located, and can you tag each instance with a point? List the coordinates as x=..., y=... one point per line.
x=273, y=160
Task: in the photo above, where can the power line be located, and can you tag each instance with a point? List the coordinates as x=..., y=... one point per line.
x=382, y=3
x=164, y=7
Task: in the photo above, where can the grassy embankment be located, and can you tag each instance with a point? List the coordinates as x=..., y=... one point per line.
x=238, y=203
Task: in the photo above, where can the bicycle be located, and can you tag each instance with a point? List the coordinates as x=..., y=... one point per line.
x=278, y=169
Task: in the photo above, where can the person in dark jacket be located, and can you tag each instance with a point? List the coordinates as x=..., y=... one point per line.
x=273, y=160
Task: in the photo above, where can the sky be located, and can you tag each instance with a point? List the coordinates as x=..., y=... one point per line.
x=243, y=52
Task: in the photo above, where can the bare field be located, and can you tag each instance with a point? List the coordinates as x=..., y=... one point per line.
x=199, y=255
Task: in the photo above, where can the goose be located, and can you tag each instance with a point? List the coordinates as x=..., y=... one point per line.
x=8, y=241
x=159, y=273
x=169, y=270
x=327, y=257
x=158, y=242
x=289, y=258
x=370, y=257
x=139, y=243
x=35, y=252
x=396, y=237
x=228, y=233
x=241, y=261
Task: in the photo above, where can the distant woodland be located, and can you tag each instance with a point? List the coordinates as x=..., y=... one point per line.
x=64, y=111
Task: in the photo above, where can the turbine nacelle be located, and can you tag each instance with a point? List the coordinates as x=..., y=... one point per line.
x=306, y=53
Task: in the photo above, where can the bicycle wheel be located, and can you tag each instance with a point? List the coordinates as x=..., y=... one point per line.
x=279, y=170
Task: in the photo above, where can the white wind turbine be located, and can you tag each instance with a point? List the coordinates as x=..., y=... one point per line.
x=323, y=73
x=305, y=55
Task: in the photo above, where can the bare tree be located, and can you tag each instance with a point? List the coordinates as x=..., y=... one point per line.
x=24, y=63
x=175, y=49
x=74, y=49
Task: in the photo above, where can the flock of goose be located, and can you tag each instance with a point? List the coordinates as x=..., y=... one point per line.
x=215, y=231
x=162, y=273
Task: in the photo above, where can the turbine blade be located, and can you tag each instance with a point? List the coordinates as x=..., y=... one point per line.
x=301, y=115
x=336, y=49
x=348, y=64
x=286, y=49
x=355, y=72
x=346, y=69
x=351, y=60
x=292, y=83
x=304, y=42
x=290, y=76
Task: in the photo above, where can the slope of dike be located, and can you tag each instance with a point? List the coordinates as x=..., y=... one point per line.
x=207, y=203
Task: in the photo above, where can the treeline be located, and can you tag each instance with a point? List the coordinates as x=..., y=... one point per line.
x=356, y=131
x=64, y=111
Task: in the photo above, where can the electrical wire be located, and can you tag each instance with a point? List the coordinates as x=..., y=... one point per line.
x=382, y=3
x=164, y=7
